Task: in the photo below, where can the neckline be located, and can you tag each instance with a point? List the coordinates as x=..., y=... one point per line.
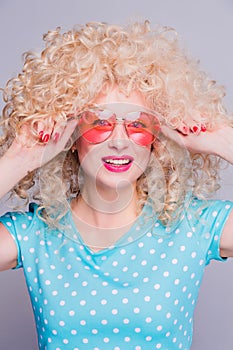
x=139, y=228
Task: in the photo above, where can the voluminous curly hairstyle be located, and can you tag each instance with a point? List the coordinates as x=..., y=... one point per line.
x=75, y=66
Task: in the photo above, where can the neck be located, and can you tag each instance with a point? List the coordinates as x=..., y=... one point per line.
x=102, y=229
x=103, y=214
x=107, y=200
x=107, y=214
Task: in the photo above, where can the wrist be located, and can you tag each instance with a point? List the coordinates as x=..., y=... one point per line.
x=224, y=147
x=16, y=161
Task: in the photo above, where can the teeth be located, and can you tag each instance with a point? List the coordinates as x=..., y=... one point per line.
x=117, y=161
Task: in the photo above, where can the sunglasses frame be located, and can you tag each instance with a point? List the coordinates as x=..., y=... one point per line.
x=122, y=120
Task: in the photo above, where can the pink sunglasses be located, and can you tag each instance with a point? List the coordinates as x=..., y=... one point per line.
x=97, y=124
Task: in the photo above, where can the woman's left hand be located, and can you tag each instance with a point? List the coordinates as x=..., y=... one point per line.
x=217, y=142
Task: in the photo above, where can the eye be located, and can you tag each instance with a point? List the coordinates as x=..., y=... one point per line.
x=137, y=124
x=101, y=123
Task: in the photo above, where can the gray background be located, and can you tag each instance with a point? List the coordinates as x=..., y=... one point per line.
x=206, y=29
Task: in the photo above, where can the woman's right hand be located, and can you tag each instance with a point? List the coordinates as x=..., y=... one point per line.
x=28, y=153
x=35, y=152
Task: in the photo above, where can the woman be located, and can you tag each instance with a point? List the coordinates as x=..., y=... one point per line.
x=114, y=136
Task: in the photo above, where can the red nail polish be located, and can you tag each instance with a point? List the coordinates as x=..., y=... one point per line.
x=203, y=127
x=45, y=138
x=56, y=136
x=41, y=134
x=195, y=128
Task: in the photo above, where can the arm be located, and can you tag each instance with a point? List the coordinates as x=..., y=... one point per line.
x=217, y=142
x=15, y=164
x=225, y=150
x=21, y=159
x=8, y=250
x=226, y=242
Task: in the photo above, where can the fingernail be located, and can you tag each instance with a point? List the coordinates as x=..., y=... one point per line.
x=203, y=127
x=185, y=130
x=45, y=138
x=41, y=134
x=195, y=129
x=56, y=136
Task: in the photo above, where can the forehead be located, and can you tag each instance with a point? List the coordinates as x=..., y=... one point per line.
x=121, y=108
x=119, y=100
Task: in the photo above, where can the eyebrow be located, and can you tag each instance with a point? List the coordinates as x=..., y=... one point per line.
x=122, y=110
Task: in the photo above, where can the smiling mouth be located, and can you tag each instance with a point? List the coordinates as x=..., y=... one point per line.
x=117, y=163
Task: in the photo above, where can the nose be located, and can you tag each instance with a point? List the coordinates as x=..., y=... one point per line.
x=119, y=138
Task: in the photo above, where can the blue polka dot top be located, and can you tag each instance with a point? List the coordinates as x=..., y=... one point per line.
x=139, y=294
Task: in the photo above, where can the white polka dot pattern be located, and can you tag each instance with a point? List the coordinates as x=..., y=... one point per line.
x=140, y=295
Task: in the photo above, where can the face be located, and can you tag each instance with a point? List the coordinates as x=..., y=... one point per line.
x=115, y=152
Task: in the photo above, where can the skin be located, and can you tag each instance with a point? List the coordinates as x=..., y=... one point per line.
x=97, y=177
x=108, y=198
x=104, y=227
x=217, y=142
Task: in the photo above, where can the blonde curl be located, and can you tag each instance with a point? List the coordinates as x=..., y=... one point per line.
x=75, y=66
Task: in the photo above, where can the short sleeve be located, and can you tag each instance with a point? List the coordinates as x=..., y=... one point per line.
x=208, y=221
x=18, y=225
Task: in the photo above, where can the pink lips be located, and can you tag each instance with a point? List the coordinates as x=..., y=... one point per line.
x=117, y=164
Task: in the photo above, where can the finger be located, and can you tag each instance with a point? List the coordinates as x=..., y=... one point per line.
x=192, y=124
x=195, y=126
x=53, y=148
x=58, y=131
x=185, y=141
x=44, y=130
x=183, y=128
x=172, y=134
x=65, y=132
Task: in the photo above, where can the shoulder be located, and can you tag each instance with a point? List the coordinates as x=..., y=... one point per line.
x=18, y=220
x=209, y=209
x=208, y=219
x=208, y=215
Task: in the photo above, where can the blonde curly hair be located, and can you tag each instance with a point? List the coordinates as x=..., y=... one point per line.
x=74, y=67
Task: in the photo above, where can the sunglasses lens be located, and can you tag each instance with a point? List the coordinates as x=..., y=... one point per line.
x=97, y=125
x=142, y=137
x=144, y=129
x=93, y=128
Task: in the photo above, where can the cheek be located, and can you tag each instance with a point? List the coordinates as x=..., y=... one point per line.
x=145, y=151
x=143, y=157
x=89, y=156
